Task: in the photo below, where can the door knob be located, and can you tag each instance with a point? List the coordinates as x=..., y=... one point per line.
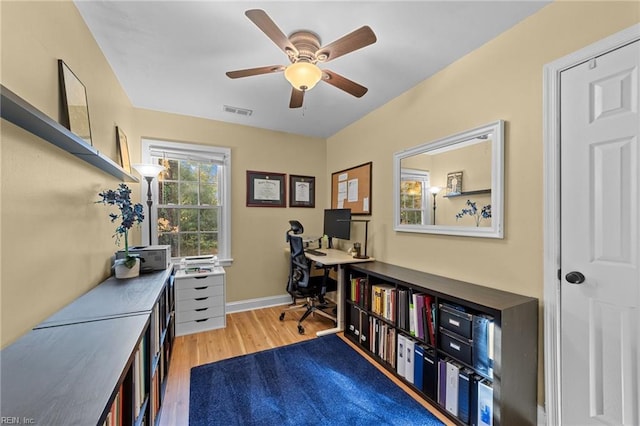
x=575, y=277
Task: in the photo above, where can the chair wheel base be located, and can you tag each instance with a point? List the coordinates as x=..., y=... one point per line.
x=300, y=329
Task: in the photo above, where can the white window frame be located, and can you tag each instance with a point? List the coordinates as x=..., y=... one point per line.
x=422, y=176
x=219, y=153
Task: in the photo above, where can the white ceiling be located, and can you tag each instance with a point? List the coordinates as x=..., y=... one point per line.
x=172, y=55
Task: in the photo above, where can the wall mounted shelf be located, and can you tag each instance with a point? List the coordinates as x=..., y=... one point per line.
x=23, y=114
x=463, y=193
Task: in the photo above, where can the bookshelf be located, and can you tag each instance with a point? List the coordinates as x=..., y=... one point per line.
x=101, y=360
x=478, y=354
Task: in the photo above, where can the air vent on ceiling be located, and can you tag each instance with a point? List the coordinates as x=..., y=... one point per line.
x=235, y=110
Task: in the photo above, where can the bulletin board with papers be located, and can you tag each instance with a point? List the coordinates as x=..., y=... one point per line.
x=351, y=189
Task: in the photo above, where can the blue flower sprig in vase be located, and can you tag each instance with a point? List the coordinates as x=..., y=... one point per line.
x=472, y=210
x=130, y=214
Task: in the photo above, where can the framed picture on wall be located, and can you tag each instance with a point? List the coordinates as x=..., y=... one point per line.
x=454, y=183
x=75, y=108
x=266, y=189
x=123, y=149
x=302, y=191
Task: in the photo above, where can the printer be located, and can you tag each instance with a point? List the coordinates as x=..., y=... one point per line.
x=152, y=258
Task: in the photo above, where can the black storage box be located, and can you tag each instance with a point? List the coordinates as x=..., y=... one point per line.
x=456, y=346
x=456, y=320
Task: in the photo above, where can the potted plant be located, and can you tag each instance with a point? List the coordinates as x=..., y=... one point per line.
x=130, y=214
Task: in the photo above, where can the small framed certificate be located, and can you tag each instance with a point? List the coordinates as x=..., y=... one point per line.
x=302, y=191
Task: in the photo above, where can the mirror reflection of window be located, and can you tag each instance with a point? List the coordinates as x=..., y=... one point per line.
x=413, y=200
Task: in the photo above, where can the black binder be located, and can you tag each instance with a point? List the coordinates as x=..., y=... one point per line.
x=364, y=329
x=474, y=379
x=430, y=373
x=354, y=321
x=465, y=378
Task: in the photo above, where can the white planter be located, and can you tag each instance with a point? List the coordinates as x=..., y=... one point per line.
x=122, y=272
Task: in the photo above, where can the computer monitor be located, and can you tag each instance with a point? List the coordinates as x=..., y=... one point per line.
x=337, y=224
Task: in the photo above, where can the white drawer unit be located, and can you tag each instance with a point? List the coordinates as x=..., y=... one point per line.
x=200, y=301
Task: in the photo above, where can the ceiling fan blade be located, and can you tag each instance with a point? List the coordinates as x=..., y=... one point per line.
x=355, y=40
x=343, y=83
x=255, y=71
x=262, y=21
x=297, y=96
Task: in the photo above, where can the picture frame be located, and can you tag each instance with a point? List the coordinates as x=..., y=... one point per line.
x=302, y=191
x=454, y=183
x=351, y=189
x=123, y=149
x=265, y=189
x=75, y=108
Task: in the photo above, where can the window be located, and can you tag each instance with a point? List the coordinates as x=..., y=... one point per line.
x=413, y=203
x=191, y=198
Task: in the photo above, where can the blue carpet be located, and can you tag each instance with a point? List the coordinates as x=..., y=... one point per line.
x=316, y=382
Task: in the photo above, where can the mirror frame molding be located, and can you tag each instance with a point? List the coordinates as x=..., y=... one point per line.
x=497, y=183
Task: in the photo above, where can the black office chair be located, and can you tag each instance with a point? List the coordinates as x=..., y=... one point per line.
x=302, y=285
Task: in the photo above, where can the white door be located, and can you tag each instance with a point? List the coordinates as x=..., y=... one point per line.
x=600, y=240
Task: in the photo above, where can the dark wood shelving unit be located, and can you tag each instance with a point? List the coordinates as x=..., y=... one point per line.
x=515, y=348
x=23, y=114
x=109, y=348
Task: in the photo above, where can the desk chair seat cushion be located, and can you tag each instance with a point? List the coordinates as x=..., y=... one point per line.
x=314, y=287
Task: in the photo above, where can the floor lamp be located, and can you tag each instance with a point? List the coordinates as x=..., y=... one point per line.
x=434, y=191
x=149, y=172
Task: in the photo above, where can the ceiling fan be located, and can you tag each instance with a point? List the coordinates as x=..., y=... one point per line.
x=305, y=52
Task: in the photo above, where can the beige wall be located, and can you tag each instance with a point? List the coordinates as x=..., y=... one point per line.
x=505, y=76
x=257, y=233
x=474, y=161
x=56, y=243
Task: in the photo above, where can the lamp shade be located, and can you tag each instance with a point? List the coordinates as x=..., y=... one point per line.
x=434, y=189
x=148, y=170
x=303, y=75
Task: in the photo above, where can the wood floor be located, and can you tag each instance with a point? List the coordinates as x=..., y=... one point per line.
x=246, y=332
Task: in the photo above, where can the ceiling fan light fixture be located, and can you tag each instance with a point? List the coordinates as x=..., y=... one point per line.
x=303, y=75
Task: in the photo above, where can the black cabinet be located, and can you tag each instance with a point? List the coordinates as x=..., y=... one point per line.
x=471, y=351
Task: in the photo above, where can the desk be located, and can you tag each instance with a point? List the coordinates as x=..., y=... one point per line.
x=337, y=258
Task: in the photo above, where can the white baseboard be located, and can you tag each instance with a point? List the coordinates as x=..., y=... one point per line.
x=542, y=416
x=262, y=302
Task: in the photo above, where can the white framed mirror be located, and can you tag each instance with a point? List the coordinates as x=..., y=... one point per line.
x=453, y=185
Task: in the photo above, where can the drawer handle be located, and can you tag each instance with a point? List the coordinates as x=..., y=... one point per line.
x=454, y=346
x=201, y=298
x=454, y=322
x=203, y=320
x=201, y=278
x=201, y=309
x=200, y=288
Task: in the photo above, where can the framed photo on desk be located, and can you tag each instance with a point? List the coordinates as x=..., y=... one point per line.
x=302, y=191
